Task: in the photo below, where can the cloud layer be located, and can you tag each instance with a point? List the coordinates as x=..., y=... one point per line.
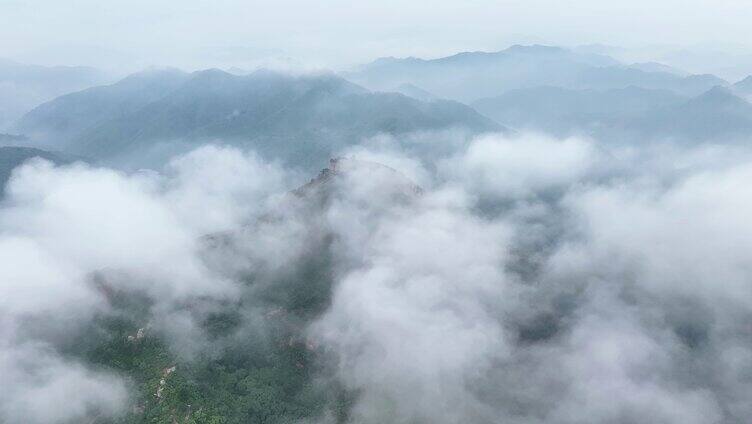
x=528, y=280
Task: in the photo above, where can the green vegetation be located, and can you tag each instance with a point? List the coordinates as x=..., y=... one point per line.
x=251, y=368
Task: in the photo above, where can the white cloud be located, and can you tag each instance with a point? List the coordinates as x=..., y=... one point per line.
x=61, y=226
x=625, y=298
x=41, y=388
x=517, y=166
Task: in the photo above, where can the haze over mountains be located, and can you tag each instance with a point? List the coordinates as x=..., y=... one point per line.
x=473, y=75
x=22, y=87
x=303, y=119
x=564, y=111
x=744, y=87
x=537, y=235
x=618, y=115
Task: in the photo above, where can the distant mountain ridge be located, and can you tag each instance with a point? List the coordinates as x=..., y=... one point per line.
x=716, y=115
x=658, y=67
x=482, y=57
x=412, y=90
x=70, y=115
x=469, y=76
x=22, y=87
x=632, y=113
x=301, y=119
x=744, y=87
x=564, y=112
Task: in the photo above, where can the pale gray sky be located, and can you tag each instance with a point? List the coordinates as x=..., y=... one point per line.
x=335, y=33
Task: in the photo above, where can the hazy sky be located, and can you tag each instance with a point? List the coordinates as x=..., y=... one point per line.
x=199, y=33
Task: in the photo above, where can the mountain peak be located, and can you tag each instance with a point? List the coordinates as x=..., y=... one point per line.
x=388, y=60
x=745, y=85
x=212, y=74
x=717, y=93
x=745, y=81
x=534, y=48
x=154, y=72
x=720, y=98
x=151, y=76
x=375, y=173
x=412, y=90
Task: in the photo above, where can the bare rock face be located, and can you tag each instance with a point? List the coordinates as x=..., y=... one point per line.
x=163, y=381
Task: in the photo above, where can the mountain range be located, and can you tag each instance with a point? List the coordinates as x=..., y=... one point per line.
x=631, y=113
x=470, y=76
x=744, y=87
x=300, y=119
x=22, y=87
